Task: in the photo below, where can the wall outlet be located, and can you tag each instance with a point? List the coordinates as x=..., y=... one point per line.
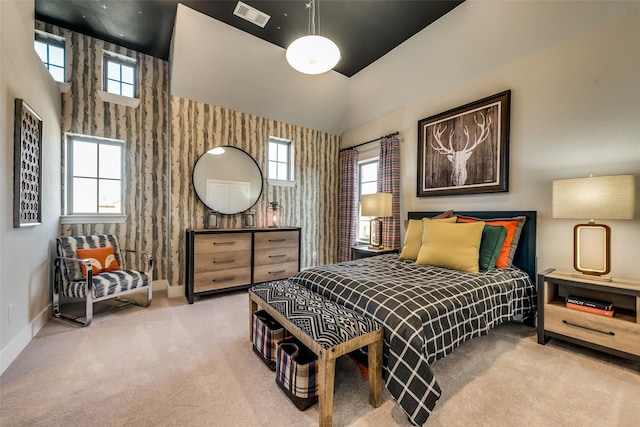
x=10, y=313
x=314, y=255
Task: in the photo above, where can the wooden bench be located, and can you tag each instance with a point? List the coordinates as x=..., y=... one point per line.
x=328, y=329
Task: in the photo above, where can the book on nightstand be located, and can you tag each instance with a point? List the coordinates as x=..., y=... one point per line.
x=589, y=302
x=592, y=310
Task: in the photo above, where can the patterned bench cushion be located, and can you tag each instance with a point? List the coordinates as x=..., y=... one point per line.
x=326, y=322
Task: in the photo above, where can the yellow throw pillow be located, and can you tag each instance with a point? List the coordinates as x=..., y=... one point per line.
x=413, y=237
x=450, y=245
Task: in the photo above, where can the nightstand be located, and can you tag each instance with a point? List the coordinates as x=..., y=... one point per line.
x=618, y=335
x=363, y=251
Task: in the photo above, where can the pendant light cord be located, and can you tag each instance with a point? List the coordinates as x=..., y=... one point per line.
x=312, y=17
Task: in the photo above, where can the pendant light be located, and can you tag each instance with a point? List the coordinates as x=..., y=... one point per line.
x=313, y=54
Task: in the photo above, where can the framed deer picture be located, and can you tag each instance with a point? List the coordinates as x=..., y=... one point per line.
x=465, y=150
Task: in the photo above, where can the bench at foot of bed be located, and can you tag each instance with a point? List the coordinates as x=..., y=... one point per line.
x=326, y=328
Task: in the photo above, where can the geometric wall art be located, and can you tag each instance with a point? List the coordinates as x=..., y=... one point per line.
x=27, y=170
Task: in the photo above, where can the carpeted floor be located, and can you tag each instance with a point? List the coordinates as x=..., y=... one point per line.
x=175, y=364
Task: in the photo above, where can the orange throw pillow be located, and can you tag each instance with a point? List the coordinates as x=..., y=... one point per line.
x=102, y=259
x=513, y=226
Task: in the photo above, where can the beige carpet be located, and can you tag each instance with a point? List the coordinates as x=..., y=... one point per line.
x=175, y=364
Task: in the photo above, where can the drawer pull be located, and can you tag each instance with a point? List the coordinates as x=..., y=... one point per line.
x=224, y=279
x=223, y=261
x=277, y=256
x=277, y=272
x=277, y=240
x=224, y=243
x=588, y=328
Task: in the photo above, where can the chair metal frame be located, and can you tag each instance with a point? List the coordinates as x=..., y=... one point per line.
x=90, y=300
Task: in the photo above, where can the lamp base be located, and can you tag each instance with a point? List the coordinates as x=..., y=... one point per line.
x=592, y=277
x=375, y=233
x=591, y=249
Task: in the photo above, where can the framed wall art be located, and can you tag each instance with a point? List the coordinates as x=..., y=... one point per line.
x=465, y=150
x=27, y=170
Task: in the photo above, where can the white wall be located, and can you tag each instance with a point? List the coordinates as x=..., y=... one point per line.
x=213, y=62
x=575, y=105
x=24, y=252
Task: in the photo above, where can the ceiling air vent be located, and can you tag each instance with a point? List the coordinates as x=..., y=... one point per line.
x=251, y=14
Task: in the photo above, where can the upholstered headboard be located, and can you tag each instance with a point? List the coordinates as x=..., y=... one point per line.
x=525, y=256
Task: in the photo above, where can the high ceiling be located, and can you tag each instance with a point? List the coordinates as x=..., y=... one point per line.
x=364, y=30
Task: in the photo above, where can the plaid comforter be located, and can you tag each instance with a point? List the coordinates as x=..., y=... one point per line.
x=426, y=311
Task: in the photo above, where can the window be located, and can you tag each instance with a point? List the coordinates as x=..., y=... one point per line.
x=119, y=75
x=280, y=161
x=94, y=175
x=50, y=49
x=368, y=184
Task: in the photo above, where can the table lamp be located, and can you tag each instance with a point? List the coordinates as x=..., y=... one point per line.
x=376, y=205
x=595, y=197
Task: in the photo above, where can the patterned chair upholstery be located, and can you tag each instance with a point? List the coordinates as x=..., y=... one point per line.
x=70, y=281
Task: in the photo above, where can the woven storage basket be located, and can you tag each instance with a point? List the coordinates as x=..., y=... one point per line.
x=297, y=373
x=267, y=333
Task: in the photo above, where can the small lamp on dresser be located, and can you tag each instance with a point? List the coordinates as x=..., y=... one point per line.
x=376, y=205
x=591, y=198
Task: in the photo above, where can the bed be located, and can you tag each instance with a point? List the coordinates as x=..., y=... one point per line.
x=429, y=311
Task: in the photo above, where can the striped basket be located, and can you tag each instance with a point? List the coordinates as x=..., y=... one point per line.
x=267, y=333
x=297, y=373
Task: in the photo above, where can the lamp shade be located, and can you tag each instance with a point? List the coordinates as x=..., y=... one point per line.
x=376, y=204
x=313, y=54
x=596, y=197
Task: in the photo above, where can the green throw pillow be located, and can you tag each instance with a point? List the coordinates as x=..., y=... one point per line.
x=492, y=239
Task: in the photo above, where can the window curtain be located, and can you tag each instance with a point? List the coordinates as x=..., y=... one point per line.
x=389, y=182
x=348, y=203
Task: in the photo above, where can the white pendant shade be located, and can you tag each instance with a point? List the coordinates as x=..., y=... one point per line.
x=313, y=54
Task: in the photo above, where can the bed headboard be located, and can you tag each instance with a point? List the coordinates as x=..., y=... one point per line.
x=525, y=257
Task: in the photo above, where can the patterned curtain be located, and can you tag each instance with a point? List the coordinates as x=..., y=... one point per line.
x=389, y=182
x=348, y=203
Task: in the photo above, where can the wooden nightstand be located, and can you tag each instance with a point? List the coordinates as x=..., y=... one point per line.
x=618, y=335
x=363, y=251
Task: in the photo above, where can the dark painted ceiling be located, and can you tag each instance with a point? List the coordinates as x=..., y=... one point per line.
x=364, y=30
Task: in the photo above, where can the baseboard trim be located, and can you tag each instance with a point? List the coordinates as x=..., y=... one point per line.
x=160, y=285
x=24, y=337
x=175, y=291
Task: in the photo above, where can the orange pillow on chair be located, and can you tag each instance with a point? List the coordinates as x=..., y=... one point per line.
x=102, y=259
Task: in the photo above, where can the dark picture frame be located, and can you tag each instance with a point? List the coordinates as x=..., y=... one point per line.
x=27, y=169
x=465, y=150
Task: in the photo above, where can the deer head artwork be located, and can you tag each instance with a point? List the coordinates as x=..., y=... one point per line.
x=459, y=158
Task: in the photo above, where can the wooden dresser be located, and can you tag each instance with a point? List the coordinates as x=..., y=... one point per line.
x=220, y=260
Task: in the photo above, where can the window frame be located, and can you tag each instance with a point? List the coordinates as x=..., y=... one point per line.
x=290, y=181
x=361, y=163
x=49, y=40
x=110, y=57
x=75, y=217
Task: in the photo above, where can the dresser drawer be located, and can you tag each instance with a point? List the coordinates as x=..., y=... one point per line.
x=221, y=279
x=276, y=256
x=276, y=239
x=221, y=261
x=265, y=273
x=217, y=243
x=614, y=333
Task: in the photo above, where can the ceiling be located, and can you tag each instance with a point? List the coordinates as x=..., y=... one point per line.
x=364, y=30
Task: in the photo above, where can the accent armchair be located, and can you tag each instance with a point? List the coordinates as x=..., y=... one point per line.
x=91, y=268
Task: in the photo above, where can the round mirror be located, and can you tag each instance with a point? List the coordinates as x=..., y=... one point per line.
x=227, y=180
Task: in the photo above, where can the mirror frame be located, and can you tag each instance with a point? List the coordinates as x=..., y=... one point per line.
x=253, y=202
